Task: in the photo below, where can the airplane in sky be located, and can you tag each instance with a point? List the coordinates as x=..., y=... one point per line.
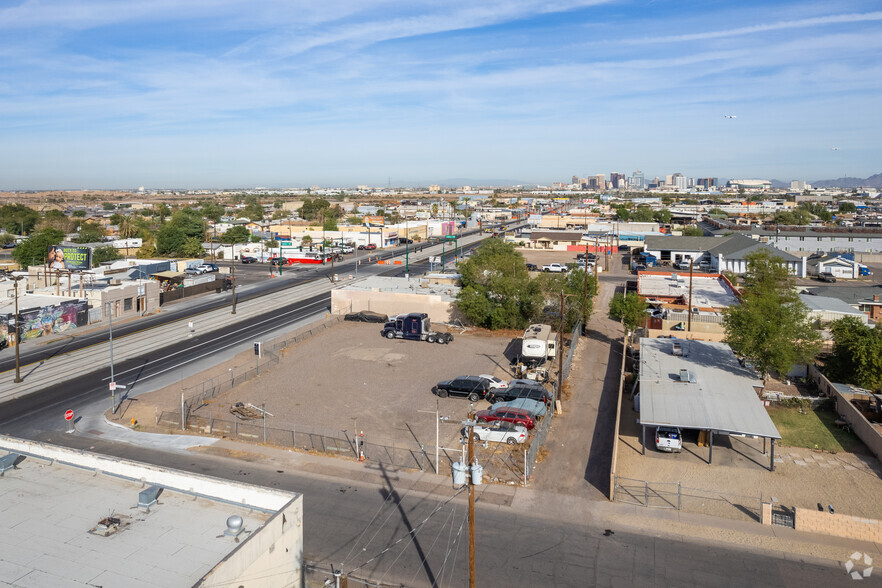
x=834, y=148
x=730, y=116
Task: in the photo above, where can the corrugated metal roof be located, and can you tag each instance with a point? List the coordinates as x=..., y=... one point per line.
x=739, y=246
x=830, y=304
x=722, y=397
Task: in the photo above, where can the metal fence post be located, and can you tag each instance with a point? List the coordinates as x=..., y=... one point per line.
x=646, y=493
x=422, y=456
x=679, y=497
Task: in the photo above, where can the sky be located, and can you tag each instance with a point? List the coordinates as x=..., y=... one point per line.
x=103, y=94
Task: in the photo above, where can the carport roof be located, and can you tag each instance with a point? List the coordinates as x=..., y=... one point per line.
x=719, y=395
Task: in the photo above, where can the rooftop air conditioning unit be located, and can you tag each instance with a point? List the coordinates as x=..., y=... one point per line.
x=677, y=349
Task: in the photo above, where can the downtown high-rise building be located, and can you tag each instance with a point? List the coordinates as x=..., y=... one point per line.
x=617, y=181
x=637, y=181
x=706, y=183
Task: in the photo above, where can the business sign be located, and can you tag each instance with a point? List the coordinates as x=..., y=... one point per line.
x=61, y=257
x=374, y=221
x=589, y=200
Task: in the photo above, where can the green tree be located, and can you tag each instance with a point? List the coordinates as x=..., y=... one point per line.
x=312, y=209
x=623, y=214
x=717, y=211
x=770, y=327
x=857, y=354
x=212, y=211
x=692, y=231
x=108, y=206
x=55, y=219
x=90, y=233
x=238, y=234
x=355, y=220
x=79, y=214
x=104, y=253
x=18, y=219
x=192, y=247
x=817, y=209
x=662, y=216
x=628, y=308
x=277, y=203
x=33, y=250
x=847, y=207
x=170, y=239
x=497, y=291
x=329, y=223
x=572, y=284
x=643, y=214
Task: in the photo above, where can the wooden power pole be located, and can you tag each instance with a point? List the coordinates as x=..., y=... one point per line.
x=472, y=580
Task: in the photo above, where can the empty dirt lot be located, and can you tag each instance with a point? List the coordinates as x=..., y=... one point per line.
x=349, y=376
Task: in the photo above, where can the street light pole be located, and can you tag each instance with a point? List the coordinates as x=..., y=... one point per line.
x=17, y=379
x=233, y=277
x=112, y=380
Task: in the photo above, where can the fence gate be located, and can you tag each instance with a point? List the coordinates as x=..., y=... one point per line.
x=650, y=494
x=783, y=516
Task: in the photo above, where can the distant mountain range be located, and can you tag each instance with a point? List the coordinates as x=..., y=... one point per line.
x=874, y=181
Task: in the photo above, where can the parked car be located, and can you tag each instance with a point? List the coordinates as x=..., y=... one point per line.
x=473, y=387
x=368, y=247
x=279, y=260
x=347, y=249
x=682, y=265
x=826, y=277
x=583, y=256
x=554, y=267
x=499, y=432
x=208, y=268
x=532, y=267
x=193, y=271
x=534, y=407
x=405, y=241
x=509, y=415
x=624, y=248
x=640, y=267
x=494, y=381
x=248, y=259
x=10, y=245
x=536, y=392
x=366, y=316
x=668, y=439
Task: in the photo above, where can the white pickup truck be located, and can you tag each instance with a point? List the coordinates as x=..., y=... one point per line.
x=554, y=267
x=669, y=439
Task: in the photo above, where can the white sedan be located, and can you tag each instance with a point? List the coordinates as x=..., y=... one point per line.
x=494, y=382
x=499, y=432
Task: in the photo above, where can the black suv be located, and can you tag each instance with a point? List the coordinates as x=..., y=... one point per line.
x=473, y=387
x=533, y=391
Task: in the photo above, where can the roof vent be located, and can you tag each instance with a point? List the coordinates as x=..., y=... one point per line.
x=148, y=497
x=9, y=461
x=109, y=526
x=677, y=350
x=235, y=526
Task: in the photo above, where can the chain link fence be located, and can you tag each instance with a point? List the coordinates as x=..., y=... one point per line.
x=541, y=432
x=697, y=500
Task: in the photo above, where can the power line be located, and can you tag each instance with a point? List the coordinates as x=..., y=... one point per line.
x=412, y=531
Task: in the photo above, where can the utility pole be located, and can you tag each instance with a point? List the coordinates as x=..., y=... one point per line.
x=596, y=260
x=112, y=379
x=585, y=295
x=17, y=379
x=689, y=310
x=233, y=278
x=560, y=347
x=469, y=480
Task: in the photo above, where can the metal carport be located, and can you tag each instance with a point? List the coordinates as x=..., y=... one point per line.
x=701, y=385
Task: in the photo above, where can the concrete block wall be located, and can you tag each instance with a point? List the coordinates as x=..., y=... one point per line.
x=865, y=430
x=839, y=525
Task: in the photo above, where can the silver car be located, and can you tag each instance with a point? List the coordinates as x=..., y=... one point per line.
x=499, y=432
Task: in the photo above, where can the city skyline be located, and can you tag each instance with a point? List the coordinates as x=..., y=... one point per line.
x=100, y=94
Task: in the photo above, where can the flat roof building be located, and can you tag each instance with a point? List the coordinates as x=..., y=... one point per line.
x=75, y=518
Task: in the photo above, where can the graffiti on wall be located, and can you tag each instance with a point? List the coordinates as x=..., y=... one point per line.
x=57, y=318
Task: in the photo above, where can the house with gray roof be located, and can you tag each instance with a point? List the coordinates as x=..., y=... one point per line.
x=725, y=253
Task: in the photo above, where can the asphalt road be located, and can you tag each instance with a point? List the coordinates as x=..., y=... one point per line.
x=176, y=312
x=366, y=529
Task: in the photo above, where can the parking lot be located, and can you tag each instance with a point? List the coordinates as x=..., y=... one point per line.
x=348, y=378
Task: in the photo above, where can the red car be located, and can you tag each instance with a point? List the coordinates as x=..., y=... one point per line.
x=518, y=416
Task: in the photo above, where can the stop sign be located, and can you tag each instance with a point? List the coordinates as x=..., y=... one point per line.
x=68, y=415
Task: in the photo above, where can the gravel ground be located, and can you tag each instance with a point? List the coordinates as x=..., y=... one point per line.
x=350, y=376
x=731, y=487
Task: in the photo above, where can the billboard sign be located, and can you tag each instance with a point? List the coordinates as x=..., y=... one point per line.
x=61, y=257
x=374, y=221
